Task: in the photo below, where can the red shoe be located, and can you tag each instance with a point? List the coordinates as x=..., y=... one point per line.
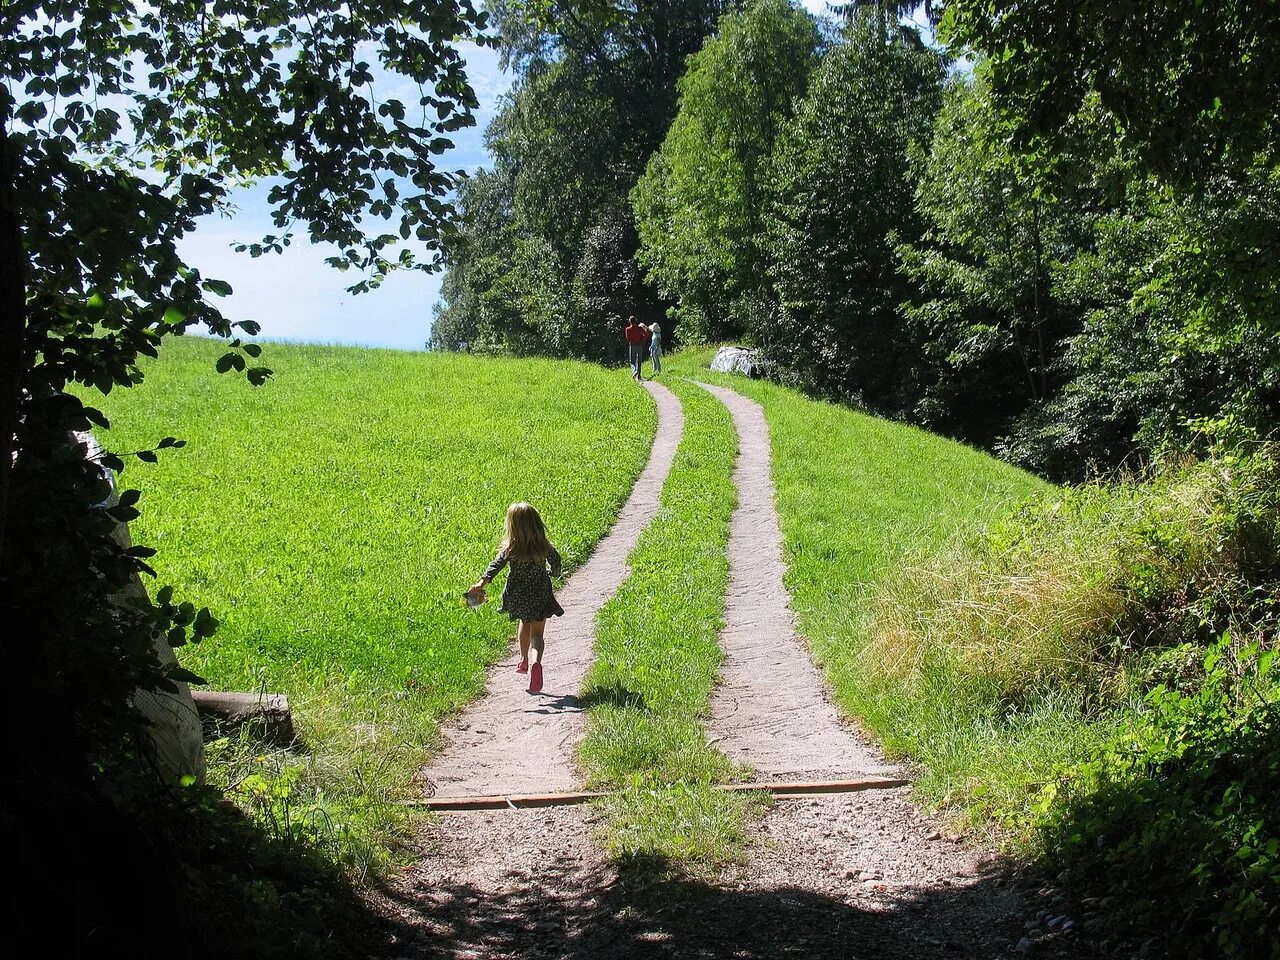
x=523, y=666
x=535, y=678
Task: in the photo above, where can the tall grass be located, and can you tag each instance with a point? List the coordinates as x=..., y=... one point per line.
x=331, y=518
x=1043, y=630
x=858, y=497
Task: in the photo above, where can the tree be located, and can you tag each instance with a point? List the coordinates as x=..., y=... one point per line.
x=595, y=95
x=1173, y=351
x=120, y=126
x=478, y=250
x=1189, y=91
x=893, y=14
x=129, y=126
x=1193, y=85
x=610, y=287
x=986, y=315
x=700, y=208
x=844, y=185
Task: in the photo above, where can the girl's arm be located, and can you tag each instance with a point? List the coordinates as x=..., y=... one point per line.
x=491, y=571
x=553, y=558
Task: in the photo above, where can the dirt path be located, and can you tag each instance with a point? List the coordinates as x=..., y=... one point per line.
x=770, y=709
x=833, y=878
x=511, y=741
x=864, y=875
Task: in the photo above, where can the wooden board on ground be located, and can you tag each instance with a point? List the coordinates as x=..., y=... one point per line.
x=780, y=790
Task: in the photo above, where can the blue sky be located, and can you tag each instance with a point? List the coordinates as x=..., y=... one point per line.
x=296, y=296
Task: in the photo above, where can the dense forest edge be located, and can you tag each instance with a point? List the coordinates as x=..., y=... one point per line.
x=871, y=210
x=1048, y=231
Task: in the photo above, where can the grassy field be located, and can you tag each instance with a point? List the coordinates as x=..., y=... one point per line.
x=331, y=518
x=657, y=647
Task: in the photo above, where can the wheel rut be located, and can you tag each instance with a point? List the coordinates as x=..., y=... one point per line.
x=770, y=709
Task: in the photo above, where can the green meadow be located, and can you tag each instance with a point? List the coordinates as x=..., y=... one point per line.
x=331, y=518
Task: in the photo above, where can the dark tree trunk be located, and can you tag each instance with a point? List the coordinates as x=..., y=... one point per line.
x=12, y=320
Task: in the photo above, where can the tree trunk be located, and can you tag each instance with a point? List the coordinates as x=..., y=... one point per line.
x=13, y=299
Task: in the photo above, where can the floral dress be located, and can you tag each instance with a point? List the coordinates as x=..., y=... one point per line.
x=527, y=594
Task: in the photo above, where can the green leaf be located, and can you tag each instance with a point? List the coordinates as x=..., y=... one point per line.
x=219, y=288
x=205, y=624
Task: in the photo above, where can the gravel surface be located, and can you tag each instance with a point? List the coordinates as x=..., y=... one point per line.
x=861, y=875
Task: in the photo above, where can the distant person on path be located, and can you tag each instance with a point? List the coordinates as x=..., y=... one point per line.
x=527, y=596
x=655, y=347
x=637, y=333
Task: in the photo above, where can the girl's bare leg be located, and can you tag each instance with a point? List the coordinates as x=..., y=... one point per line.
x=523, y=636
x=537, y=629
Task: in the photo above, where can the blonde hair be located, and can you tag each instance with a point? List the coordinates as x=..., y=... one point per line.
x=526, y=536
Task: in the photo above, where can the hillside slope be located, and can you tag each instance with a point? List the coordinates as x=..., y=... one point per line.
x=332, y=517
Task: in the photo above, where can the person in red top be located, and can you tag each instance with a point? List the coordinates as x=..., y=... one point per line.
x=637, y=336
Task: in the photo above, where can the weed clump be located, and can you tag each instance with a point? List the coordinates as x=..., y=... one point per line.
x=1183, y=804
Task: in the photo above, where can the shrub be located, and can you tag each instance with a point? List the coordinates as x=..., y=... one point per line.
x=1183, y=804
x=1094, y=674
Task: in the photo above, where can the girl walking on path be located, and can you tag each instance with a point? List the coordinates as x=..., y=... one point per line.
x=636, y=333
x=655, y=347
x=527, y=596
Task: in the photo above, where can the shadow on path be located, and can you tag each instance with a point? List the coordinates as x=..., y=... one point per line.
x=615, y=694
x=566, y=913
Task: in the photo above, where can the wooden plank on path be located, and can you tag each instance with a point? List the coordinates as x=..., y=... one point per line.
x=516, y=801
x=788, y=790
x=781, y=790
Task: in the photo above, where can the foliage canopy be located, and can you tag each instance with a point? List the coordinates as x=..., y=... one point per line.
x=120, y=126
x=702, y=205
